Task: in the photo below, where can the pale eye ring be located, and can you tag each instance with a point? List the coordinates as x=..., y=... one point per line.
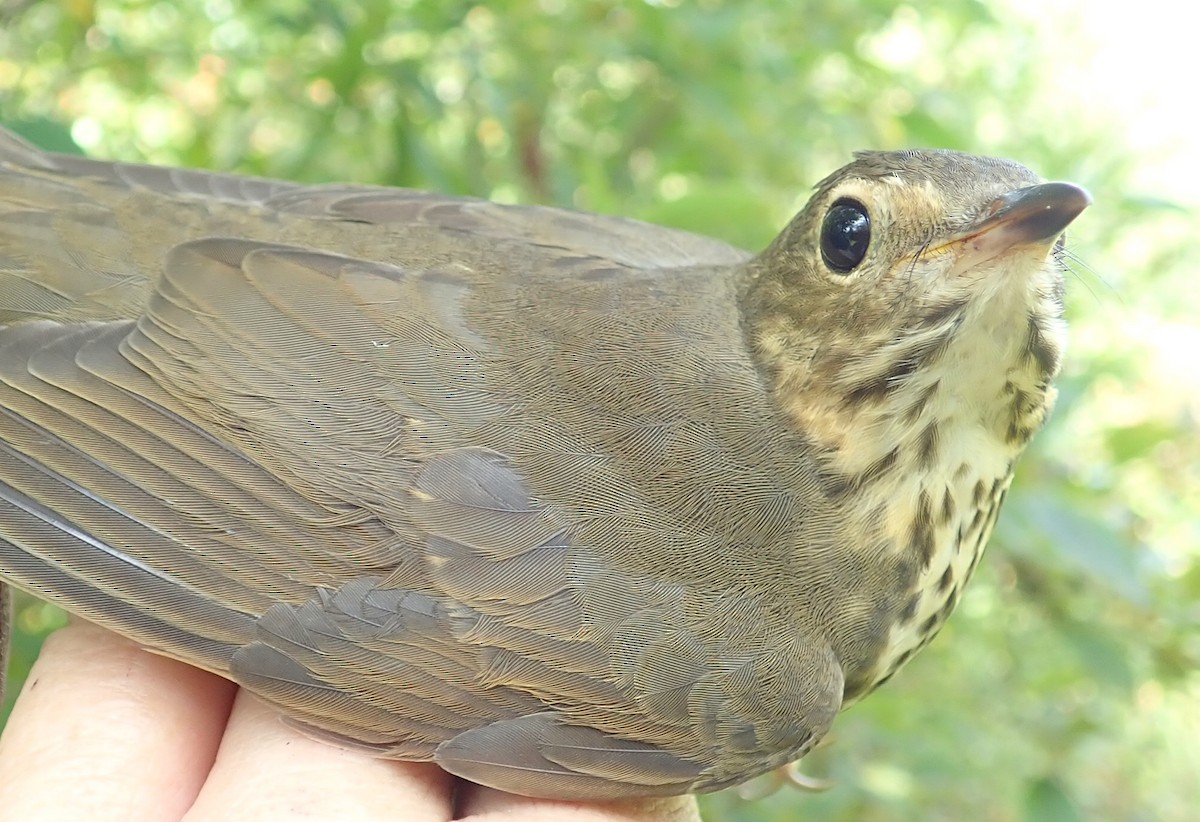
x=845, y=235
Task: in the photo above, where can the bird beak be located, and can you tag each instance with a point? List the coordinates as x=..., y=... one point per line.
x=1032, y=216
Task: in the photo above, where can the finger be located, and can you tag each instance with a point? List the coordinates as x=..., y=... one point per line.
x=265, y=770
x=105, y=730
x=480, y=804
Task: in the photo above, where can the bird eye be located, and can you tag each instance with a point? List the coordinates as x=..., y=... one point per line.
x=845, y=235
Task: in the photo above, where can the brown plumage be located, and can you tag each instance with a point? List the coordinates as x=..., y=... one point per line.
x=572, y=505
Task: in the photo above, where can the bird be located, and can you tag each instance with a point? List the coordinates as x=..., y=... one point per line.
x=572, y=505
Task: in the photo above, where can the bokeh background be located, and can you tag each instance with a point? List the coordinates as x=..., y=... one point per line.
x=1066, y=687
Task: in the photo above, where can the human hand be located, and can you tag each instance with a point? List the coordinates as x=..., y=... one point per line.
x=105, y=730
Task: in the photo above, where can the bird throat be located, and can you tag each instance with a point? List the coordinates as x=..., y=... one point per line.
x=918, y=443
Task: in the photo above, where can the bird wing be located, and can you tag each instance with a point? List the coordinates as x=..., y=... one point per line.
x=288, y=463
x=101, y=230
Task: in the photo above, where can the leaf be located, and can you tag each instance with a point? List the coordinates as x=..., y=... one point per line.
x=47, y=134
x=1105, y=657
x=1085, y=541
x=1134, y=441
x=1046, y=801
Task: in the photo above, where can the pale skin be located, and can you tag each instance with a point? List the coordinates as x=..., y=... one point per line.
x=104, y=730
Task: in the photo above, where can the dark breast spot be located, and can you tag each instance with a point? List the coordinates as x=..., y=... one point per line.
x=1039, y=349
x=939, y=314
x=880, y=386
x=927, y=445
x=947, y=509
x=979, y=493
x=876, y=469
x=976, y=522
x=1017, y=433
x=839, y=484
x=921, y=531
x=948, y=606
x=914, y=411
x=947, y=579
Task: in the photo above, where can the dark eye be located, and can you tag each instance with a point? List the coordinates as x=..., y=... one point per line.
x=845, y=235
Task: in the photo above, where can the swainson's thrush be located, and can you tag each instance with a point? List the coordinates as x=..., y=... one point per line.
x=571, y=505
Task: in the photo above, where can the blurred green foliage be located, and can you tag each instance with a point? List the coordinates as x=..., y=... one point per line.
x=1066, y=686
